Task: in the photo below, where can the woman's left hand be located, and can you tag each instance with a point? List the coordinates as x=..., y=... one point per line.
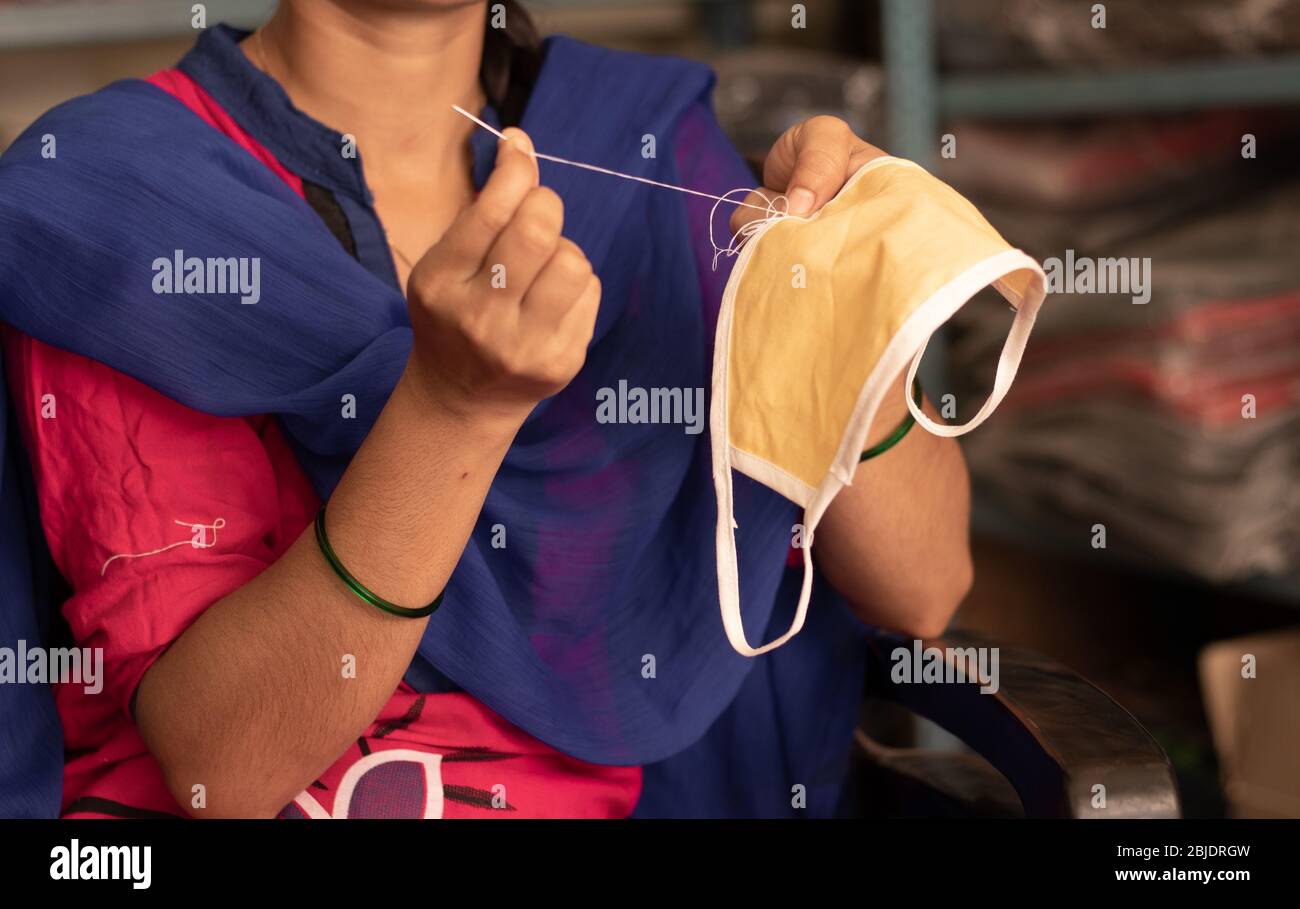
x=809, y=164
x=896, y=543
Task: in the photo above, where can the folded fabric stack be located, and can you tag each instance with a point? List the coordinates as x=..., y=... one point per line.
x=1175, y=423
x=1070, y=33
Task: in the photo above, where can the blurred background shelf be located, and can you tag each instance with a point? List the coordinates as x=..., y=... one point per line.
x=82, y=22
x=1176, y=87
x=928, y=96
x=993, y=518
x=921, y=97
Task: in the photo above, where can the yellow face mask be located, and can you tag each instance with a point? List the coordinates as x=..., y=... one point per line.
x=819, y=317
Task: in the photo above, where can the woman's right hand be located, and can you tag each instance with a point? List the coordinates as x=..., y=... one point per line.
x=503, y=307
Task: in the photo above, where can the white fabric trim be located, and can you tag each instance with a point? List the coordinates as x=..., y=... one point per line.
x=961, y=290
x=911, y=338
x=722, y=452
x=771, y=476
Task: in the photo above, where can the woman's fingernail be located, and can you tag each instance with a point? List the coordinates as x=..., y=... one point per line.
x=801, y=200
x=515, y=140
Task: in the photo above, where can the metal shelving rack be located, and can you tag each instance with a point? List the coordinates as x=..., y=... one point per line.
x=920, y=99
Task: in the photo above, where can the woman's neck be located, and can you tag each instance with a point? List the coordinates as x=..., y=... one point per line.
x=388, y=77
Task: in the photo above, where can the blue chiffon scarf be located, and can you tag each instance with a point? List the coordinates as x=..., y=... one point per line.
x=609, y=563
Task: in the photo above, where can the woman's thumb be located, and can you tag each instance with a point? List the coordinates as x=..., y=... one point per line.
x=515, y=143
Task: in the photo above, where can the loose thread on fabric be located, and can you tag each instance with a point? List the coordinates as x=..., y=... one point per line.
x=196, y=544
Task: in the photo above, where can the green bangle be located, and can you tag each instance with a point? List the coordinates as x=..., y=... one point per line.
x=897, y=435
x=360, y=589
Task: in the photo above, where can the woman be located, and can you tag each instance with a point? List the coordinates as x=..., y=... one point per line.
x=575, y=665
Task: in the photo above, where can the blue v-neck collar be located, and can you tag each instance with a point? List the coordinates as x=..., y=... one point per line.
x=303, y=144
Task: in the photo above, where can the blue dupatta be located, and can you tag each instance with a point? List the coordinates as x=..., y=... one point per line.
x=610, y=527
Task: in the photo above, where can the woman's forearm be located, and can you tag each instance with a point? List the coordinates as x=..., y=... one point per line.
x=896, y=543
x=252, y=702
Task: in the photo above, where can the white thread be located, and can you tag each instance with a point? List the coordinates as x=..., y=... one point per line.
x=615, y=173
x=748, y=230
x=215, y=526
